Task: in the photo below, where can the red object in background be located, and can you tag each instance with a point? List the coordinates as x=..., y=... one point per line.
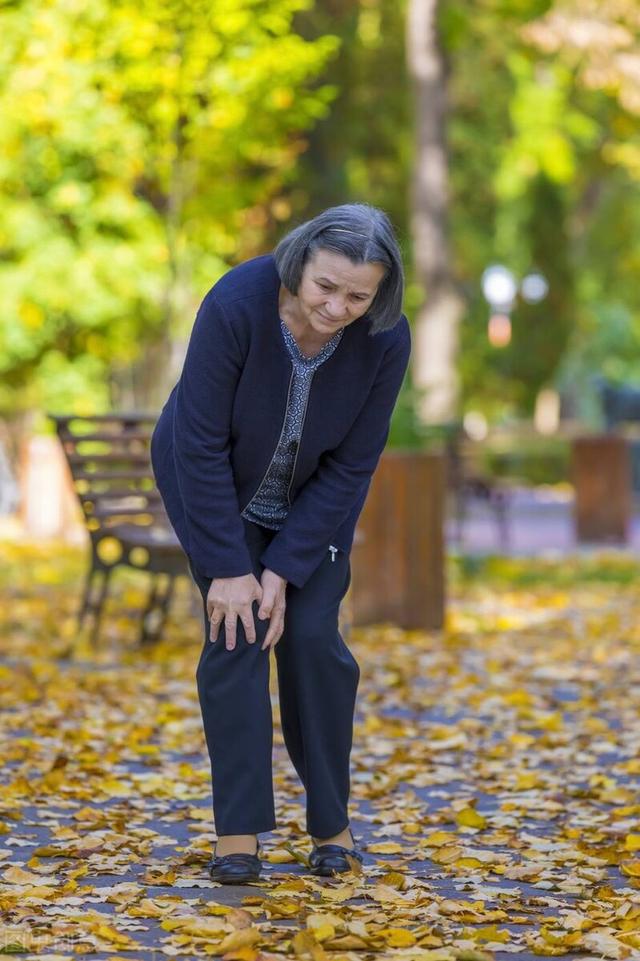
x=499, y=330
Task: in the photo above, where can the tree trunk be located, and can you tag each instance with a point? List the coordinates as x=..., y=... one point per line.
x=436, y=333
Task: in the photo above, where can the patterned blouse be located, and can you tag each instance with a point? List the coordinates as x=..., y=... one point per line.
x=270, y=504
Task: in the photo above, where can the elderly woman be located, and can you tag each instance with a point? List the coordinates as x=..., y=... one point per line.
x=263, y=455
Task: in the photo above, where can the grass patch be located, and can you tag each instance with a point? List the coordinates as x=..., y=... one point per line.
x=601, y=568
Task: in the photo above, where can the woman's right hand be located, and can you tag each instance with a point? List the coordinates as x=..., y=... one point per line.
x=230, y=598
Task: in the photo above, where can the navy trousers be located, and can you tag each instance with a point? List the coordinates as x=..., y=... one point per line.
x=317, y=679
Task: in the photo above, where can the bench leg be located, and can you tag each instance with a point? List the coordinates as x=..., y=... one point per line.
x=85, y=604
x=92, y=605
x=156, y=610
x=98, y=604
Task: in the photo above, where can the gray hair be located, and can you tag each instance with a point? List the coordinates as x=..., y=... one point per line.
x=359, y=232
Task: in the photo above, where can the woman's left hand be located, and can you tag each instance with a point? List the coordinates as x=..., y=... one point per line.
x=273, y=606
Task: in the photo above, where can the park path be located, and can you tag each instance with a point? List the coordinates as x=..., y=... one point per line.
x=495, y=781
x=540, y=522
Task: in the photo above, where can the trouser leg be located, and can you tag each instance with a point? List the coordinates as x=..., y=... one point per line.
x=318, y=680
x=233, y=689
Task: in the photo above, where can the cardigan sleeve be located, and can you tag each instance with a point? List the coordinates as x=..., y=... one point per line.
x=342, y=477
x=201, y=440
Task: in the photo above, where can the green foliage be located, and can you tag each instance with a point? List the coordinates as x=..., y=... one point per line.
x=143, y=147
x=405, y=431
x=547, y=130
x=533, y=460
x=540, y=181
x=409, y=432
x=606, y=335
x=146, y=147
x=362, y=149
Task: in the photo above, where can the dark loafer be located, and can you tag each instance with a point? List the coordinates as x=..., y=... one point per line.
x=326, y=860
x=235, y=868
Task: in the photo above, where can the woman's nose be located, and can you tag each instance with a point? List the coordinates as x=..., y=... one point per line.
x=336, y=308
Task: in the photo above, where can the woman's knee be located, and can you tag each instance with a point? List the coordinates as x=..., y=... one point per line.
x=244, y=664
x=306, y=631
x=314, y=644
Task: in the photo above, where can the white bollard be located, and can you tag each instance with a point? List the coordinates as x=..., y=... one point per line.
x=48, y=505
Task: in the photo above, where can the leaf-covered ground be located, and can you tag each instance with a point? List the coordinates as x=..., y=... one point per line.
x=495, y=790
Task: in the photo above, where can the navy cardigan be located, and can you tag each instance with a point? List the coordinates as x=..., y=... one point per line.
x=218, y=431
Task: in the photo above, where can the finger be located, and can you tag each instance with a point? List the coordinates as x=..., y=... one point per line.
x=276, y=628
x=267, y=601
x=215, y=621
x=265, y=610
x=276, y=639
x=267, y=639
x=273, y=638
x=230, y=623
x=249, y=627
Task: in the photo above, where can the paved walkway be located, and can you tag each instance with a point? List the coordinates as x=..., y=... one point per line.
x=540, y=522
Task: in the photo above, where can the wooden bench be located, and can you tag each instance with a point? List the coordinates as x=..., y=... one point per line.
x=108, y=456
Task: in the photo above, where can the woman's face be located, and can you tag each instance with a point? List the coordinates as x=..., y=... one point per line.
x=334, y=291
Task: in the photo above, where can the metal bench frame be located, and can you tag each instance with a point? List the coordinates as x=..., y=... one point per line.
x=108, y=456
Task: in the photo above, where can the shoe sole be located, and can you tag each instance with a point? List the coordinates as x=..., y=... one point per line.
x=328, y=872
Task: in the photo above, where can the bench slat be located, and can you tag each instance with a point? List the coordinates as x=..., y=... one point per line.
x=115, y=494
x=153, y=537
x=124, y=417
x=137, y=473
x=114, y=438
x=101, y=512
x=110, y=458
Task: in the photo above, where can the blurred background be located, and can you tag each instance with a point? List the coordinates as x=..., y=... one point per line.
x=147, y=147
